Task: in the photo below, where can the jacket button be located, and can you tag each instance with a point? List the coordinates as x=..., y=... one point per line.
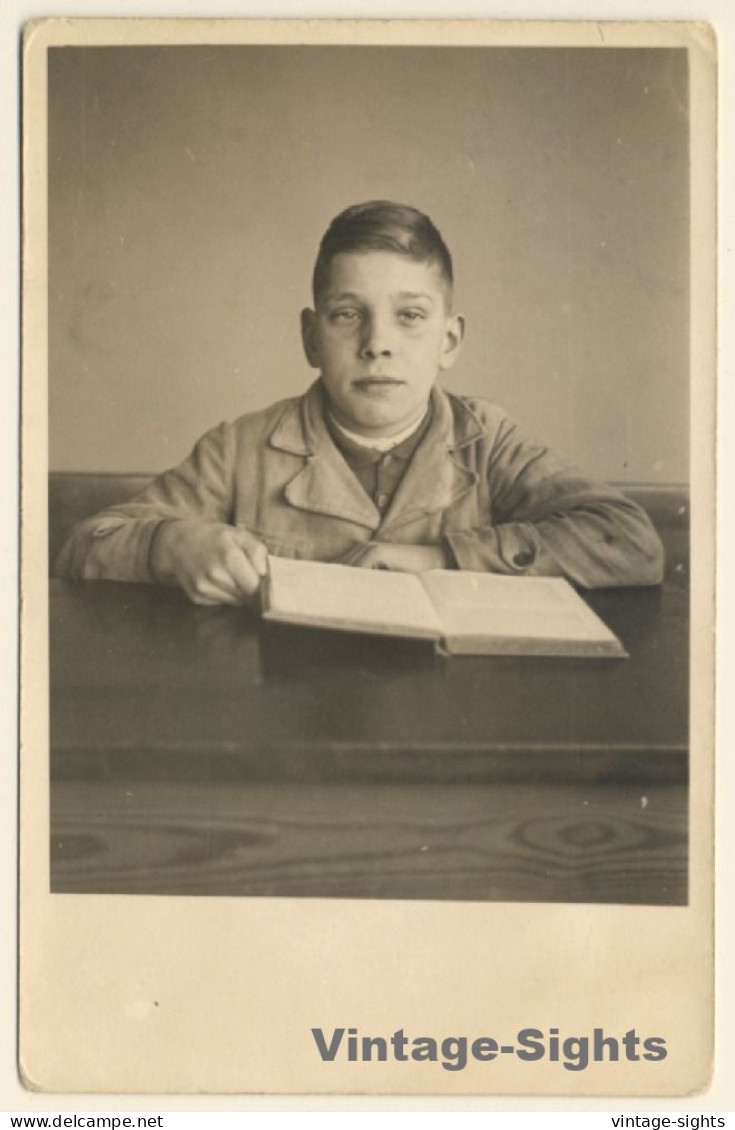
x=523, y=559
x=382, y=501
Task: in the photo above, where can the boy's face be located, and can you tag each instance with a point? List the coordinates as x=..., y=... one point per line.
x=380, y=334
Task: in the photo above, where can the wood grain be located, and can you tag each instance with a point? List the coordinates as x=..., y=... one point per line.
x=505, y=842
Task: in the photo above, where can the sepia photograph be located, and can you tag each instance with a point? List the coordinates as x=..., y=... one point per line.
x=440, y=299
x=374, y=458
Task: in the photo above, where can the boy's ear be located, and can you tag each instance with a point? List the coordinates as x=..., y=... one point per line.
x=453, y=338
x=308, y=337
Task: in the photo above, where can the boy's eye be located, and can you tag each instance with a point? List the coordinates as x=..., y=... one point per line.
x=410, y=317
x=345, y=315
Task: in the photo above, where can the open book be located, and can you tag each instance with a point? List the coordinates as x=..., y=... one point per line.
x=464, y=613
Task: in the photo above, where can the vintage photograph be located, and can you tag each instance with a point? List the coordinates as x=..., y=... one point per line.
x=368, y=535
x=369, y=451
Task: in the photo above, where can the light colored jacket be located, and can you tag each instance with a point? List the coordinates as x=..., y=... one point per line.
x=501, y=501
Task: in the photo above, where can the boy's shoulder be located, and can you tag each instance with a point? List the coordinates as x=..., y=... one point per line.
x=264, y=421
x=478, y=406
x=476, y=416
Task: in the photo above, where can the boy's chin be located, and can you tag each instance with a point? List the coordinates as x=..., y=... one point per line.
x=379, y=420
x=377, y=426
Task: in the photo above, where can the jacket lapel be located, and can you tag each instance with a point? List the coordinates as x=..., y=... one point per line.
x=325, y=484
x=436, y=476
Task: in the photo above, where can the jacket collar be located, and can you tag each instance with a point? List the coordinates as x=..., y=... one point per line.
x=435, y=478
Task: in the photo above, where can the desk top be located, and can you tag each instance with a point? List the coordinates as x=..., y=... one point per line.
x=140, y=676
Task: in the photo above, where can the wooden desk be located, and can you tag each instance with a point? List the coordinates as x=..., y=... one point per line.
x=201, y=751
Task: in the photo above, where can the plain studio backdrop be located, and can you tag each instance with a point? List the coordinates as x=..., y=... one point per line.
x=189, y=188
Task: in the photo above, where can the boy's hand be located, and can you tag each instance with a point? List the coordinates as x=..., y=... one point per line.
x=212, y=562
x=403, y=558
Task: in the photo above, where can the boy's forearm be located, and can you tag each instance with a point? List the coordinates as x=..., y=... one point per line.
x=550, y=519
x=123, y=542
x=109, y=547
x=606, y=545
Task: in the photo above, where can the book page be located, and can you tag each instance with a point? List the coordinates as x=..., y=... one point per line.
x=481, y=605
x=350, y=599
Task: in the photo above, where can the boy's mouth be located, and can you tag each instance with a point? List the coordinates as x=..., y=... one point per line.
x=364, y=384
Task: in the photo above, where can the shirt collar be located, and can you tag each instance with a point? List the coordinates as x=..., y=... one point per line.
x=380, y=444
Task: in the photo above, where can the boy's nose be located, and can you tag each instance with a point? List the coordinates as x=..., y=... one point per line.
x=375, y=341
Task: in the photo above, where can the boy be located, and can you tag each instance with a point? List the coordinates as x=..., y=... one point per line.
x=375, y=465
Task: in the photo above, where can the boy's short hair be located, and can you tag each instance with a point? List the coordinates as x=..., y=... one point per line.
x=381, y=225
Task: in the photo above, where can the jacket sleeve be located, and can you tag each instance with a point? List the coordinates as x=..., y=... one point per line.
x=549, y=520
x=116, y=544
